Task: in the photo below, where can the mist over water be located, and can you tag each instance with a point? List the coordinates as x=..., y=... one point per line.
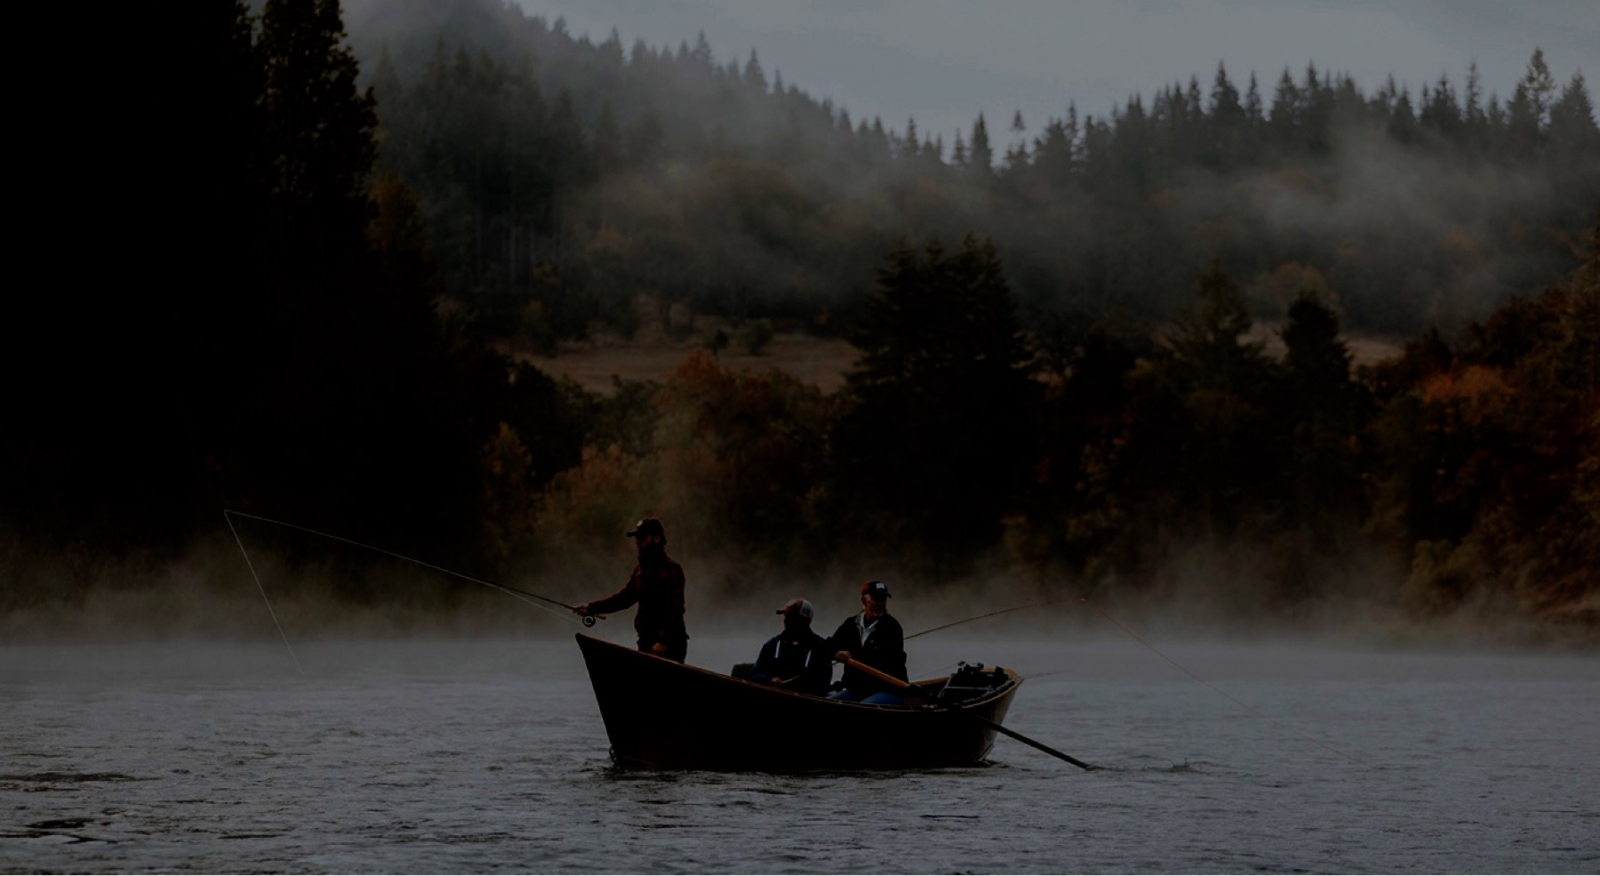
x=432, y=755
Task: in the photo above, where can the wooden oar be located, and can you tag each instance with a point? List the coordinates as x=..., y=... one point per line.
x=921, y=694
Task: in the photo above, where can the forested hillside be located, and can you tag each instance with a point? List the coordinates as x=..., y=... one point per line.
x=576, y=174
x=1057, y=387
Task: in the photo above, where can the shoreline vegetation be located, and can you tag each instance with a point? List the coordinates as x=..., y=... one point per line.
x=1254, y=352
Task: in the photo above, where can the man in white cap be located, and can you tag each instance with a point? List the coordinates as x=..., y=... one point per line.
x=797, y=658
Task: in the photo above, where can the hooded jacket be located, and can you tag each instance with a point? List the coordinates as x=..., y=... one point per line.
x=808, y=661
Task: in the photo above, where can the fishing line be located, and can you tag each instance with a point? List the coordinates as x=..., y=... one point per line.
x=523, y=595
x=1032, y=677
x=990, y=614
x=263, y=590
x=1235, y=700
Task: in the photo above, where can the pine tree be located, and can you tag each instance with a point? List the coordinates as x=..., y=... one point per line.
x=1540, y=86
x=753, y=77
x=1053, y=156
x=1572, y=121
x=1253, y=115
x=1225, y=440
x=1472, y=103
x=321, y=133
x=610, y=51
x=1227, y=123
x=1325, y=409
x=1440, y=111
x=1208, y=338
x=937, y=437
x=701, y=56
x=1402, y=120
x=1285, y=121
x=980, y=155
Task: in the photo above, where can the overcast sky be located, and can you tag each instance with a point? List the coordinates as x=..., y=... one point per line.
x=942, y=61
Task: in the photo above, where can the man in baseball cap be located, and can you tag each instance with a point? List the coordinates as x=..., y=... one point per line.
x=657, y=586
x=797, y=658
x=876, y=639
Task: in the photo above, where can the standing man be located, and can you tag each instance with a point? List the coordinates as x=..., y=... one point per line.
x=657, y=585
x=876, y=639
x=796, y=659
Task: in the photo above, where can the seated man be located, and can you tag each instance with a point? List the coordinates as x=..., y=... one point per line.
x=797, y=658
x=873, y=638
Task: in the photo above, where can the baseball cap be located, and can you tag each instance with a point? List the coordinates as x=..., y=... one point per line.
x=875, y=589
x=797, y=606
x=647, y=526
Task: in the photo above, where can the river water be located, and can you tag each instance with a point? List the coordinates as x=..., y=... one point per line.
x=490, y=756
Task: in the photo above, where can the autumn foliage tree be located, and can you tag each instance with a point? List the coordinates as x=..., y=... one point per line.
x=1492, y=458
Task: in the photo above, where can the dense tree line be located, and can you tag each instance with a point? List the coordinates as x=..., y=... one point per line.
x=1094, y=455
x=569, y=176
x=303, y=351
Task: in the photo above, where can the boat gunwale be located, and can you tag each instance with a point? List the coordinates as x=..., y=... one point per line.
x=1014, y=678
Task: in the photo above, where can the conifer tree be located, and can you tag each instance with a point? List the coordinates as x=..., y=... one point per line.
x=939, y=388
x=1325, y=408
x=1540, y=86
x=1572, y=120
x=610, y=51
x=1253, y=115
x=1285, y=120
x=321, y=130
x=980, y=155
x=1227, y=122
x=753, y=76
x=1473, y=120
x=1403, y=120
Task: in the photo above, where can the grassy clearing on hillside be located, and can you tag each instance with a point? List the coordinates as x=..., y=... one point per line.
x=819, y=361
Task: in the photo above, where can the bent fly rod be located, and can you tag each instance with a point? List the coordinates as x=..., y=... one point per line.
x=993, y=614
x=525, y=595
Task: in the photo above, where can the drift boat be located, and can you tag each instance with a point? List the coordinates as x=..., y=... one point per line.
x=666, y=715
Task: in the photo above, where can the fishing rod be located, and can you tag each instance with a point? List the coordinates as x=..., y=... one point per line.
x=992, y=614
x=525, y=595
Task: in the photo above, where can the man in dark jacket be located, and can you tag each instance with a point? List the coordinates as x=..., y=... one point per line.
x=876, y=639
x=657, y=585
x=796, y=659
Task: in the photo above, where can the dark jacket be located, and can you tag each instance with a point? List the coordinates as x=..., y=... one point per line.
x=884, y=650
x=810, y=661
x=657, y=586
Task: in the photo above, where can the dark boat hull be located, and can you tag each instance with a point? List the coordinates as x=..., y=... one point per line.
x=668, y=715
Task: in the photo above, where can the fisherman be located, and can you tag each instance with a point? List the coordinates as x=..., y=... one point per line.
x=657, y=585
x=796, y=659
x=873, y=638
